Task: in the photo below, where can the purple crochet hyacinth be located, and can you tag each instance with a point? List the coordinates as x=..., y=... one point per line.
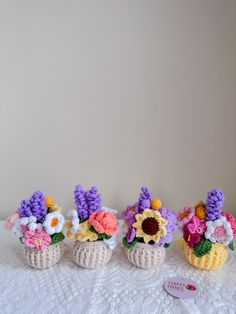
x=25, y=210
x=80, y=200
x=36, y=206
x=94, y=200
x=87, y=202
x=144, y=199
x=214, y=204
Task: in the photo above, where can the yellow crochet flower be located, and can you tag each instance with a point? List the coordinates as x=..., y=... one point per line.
x=150, y=225
x=84, y=234
x=55, y=207
x=156, y=203
x=49, y=201
x=70, y=234
x=200, y=210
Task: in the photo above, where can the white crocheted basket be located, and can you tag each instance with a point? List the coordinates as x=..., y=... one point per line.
x=92, y=254
x=47, y=258
x=146, y=256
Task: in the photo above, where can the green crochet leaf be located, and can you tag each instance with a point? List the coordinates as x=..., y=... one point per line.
x=202, y=248
x=57, y=237
x=129, y=245
x=100, y=235
x=231, y=245
x=166, y=245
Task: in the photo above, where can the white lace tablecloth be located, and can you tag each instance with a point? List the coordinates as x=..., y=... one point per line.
x=119, y=287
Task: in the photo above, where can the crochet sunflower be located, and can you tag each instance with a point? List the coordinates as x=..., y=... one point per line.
x=150, y=226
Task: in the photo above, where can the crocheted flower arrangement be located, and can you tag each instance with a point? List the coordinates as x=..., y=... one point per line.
x=38, y=222
x=205, y=224
x=148, y=222
x=90, y=221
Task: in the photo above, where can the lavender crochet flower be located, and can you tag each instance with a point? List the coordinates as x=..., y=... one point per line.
x=36, y=206
x=129, y=214
x=131, y=234
x=94, y=200
x=80, y=200
x=172, y=225
x=169, y=215
x=144, y=199
x=214, y=204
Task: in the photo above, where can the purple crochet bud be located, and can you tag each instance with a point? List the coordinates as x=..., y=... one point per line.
x=144, y=199
x=94, y=200
x=214, y=204
x=36, y=206
x=131, y=234
x=80, y=200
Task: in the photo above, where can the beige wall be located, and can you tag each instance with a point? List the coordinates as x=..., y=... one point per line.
x=118, y=94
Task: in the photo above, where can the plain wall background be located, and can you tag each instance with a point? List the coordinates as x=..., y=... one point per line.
x=117, y=94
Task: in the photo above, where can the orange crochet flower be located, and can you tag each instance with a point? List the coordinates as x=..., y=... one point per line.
x=49, y=201
x=104, y=222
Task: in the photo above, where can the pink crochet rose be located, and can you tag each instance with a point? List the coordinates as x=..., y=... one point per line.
x=38, y=239
x=230, y=218
x=104, y=222
x=9, y=222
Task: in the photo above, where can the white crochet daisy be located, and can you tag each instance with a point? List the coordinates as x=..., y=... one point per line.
x=73, y=220
x=219, y=230
x=53, y=222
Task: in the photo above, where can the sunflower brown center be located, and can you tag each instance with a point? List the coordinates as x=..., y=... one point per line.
x=150, y=226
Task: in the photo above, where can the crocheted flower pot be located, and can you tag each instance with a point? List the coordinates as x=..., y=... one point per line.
x=213, y=260
x=91, y=254
x=146, y=256
x=46, y=258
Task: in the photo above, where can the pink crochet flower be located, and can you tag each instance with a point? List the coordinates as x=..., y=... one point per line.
x=230, y=218
x=38, y=239
x=186, y=214
x=9, y=222
x=195, y=225
x=104, y=222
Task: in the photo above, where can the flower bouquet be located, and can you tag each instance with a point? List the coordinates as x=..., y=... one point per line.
x=148, y=229
x=38, y=223
x=207, y=232
x=93, y=227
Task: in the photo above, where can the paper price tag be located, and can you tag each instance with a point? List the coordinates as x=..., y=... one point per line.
x=182, y=288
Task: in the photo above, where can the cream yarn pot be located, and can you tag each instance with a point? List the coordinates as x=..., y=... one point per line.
x=47, y=258
x=91, y=254
x=146, y=256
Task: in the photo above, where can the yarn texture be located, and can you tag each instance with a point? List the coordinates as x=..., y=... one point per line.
x=47, y=258
x=91, y=254
x=146, y=256
x=216, y=257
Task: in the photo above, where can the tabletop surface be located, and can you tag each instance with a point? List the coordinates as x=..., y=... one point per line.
x=118, y=288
